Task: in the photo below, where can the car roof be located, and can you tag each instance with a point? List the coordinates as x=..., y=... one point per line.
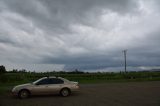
x=52, y=77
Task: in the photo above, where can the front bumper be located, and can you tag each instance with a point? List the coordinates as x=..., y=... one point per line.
x=14, y=93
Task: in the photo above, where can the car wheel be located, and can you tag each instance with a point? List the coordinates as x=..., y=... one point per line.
x=65, y=92
x=23, y=94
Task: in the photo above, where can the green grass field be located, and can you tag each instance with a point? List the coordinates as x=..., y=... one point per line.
x=10, y=79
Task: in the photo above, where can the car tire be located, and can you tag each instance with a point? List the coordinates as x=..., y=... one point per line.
x=23, y=94
x=65, y=92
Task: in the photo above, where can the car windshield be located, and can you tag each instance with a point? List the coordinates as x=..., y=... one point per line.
x=37, y=80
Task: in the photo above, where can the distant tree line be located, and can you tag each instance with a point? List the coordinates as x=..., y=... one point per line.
x=18, y=71
x=76, y=71
x=2, y=69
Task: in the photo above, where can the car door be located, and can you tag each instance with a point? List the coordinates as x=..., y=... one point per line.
x=41, y=87
x=55, y=85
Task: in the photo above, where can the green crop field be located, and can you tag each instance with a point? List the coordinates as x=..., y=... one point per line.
x=10, y=79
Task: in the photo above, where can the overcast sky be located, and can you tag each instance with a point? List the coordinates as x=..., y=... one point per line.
x=85, y=34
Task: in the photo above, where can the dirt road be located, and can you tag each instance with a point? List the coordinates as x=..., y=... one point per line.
x=109, y=94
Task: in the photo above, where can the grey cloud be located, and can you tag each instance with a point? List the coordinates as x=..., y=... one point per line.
x=6, y=40
x=87, y=34
x=57, y=15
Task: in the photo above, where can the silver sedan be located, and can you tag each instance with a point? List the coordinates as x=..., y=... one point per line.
x=46, y=85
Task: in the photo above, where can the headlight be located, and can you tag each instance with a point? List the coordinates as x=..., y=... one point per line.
x=14, y=89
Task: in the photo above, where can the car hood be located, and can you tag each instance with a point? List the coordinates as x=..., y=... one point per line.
x=22, y=86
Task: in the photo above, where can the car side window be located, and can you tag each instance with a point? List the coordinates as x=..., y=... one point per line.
x=43, y=82
x=56, y=81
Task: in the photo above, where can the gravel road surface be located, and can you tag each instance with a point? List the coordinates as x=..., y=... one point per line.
x=108, y=94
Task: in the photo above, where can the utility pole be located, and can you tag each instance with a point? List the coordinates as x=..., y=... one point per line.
x=125, y=61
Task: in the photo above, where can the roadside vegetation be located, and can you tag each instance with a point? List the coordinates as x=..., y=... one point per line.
x=8, y=79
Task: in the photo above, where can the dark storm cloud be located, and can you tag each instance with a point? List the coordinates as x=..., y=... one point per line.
x=57, y=15
x=83, y=34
